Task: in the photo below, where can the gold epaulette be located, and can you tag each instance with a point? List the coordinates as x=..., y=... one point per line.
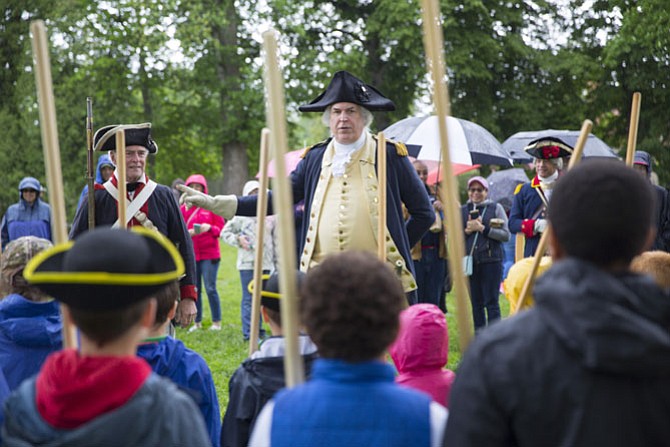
x=307, y=149
x=518, y=188
x=400, y=148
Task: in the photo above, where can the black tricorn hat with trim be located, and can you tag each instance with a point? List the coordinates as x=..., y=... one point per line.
x=270, y=296
x=136, y=135
x=106, y=268
x=548, y=148
x=345, y=87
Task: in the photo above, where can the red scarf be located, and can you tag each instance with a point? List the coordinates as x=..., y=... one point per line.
x=72, y=390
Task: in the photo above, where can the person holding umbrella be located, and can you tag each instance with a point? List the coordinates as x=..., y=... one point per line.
x=485, y=227
x=528, y=214
x=337, y=179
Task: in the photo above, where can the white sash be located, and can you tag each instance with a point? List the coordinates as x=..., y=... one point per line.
x=138, y=201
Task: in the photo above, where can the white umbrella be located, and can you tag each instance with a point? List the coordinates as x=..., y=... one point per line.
x=469, y=143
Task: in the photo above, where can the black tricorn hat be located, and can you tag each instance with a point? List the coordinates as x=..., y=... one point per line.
x=548, y=148
x=270, y=296
x=345, y=87
x=136, y=135
x=106, y=268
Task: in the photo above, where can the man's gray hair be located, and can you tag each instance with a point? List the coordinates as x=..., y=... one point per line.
x=367, y=115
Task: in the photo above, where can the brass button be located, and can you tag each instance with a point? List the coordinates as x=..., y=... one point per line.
x=309, y=240
x=305, y=252
x=346, y=176
x=376, y=200
x=302, y=263
x=344, y=184
x=412, y=285
x=392, y=249
x=311, y=228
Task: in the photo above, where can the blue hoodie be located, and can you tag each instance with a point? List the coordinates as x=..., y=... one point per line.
x=24, y=219
x=189, y=371
x=29, y=332
x=104, y=160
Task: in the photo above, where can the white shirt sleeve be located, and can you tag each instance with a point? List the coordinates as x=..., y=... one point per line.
x=438, y=422
x=260, y=437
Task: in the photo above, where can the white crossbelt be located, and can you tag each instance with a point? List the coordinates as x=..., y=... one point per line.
x=138, y=201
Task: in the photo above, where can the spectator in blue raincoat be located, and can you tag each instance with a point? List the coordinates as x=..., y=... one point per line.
x=103, y=173
x=30, y=323
x=30, y=216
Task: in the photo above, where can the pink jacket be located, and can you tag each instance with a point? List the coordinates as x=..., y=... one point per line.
x=205, y=245
x=420, y=352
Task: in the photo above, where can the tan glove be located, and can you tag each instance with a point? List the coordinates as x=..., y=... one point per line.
x=224, y=206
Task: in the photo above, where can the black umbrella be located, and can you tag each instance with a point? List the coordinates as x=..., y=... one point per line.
x=595, y=147
x=469, y=143
x=502, y=185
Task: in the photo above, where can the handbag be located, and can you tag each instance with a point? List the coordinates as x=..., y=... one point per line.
x=468, y=260
x=437, y=224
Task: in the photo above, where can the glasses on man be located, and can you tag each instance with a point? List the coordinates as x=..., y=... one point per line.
x=138, y=154
x=476, y=190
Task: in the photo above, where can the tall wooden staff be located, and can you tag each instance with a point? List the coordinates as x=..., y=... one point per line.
x=261, y=212
x=283, y=205
x=632, y=130
x=544, y=240
x=381, y=196
x=121, y=172
x=52, y=164
x=90, y=163
x=432, y=40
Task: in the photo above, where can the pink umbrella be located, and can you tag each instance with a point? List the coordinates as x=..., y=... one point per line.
x=434, y=168
x=291, y=159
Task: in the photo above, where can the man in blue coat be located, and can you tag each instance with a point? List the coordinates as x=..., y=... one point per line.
x=528, y=214
x=337, y=179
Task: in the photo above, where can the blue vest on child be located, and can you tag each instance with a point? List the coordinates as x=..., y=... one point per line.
x=347, y=404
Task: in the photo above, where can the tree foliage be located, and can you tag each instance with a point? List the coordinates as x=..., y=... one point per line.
x=194, y=69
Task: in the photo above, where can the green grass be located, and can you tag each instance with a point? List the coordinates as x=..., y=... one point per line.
x=225, y=350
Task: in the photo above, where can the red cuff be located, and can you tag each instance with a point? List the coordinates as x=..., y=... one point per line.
x=188, y=292
x=528, y=227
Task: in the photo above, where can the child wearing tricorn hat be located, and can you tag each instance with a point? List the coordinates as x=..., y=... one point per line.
x=30, y=323
x=528, y=214
x=337, y=179
x=104, y=394
x=261, y=375
x=149, y=204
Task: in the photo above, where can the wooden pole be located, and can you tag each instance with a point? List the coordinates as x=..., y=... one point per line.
x=544, y=240
x=121, y=171
x=49, y=130
x=632, y=130
x=90, y=164
x=432, y=38
x=283, y=205
x=261, y=211
x=381, y=205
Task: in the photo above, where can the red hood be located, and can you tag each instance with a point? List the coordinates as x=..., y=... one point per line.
x=423, y=341
x=197, y=178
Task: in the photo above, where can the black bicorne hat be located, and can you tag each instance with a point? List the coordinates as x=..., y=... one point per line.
x=548, y=148
x=345, y=87
x=136, y=135
x=270, y=296
x=106, y=268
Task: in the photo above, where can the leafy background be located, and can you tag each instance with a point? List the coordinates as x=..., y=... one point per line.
x=193, y=68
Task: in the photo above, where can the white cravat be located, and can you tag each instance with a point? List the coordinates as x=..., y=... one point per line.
x=547, y=183
x=343, y=153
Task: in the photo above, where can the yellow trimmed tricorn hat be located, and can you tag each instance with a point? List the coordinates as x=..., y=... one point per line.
x=106, y=268
x=136, y=135
x=270, y=296
x=345, y=87
x=548, y=148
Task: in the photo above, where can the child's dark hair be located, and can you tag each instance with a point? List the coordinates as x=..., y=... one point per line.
x=105, y=326
x=601, y=211
x=165, y=299
x=350, y=306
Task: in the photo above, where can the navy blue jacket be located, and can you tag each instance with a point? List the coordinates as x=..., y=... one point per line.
x=525, y=205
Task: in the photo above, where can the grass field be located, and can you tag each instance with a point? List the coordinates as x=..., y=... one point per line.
x=225, y=350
